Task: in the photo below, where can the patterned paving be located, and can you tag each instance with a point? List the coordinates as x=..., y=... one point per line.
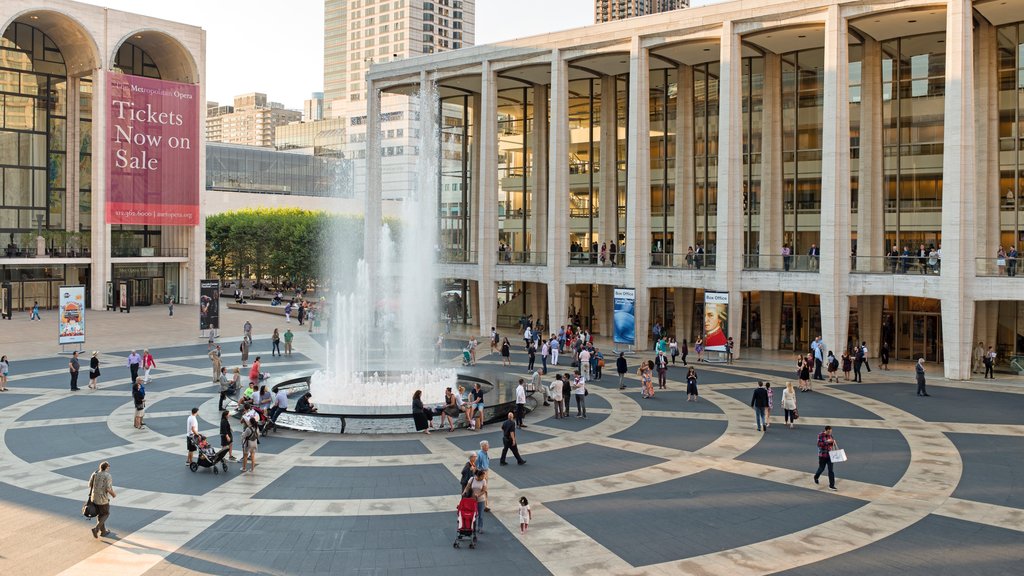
x=642, y=486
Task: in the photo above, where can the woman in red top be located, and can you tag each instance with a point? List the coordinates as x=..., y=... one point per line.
x=254, y=372
x=148, y=363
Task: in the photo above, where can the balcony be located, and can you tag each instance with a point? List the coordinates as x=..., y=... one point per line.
x=996, y=267
x=781, y=262
x=513, y=258
x=911, y=264
x=456, y=256
x=593, y=259
x=147, y=252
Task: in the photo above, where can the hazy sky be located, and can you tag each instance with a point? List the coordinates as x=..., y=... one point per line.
x=277, y=47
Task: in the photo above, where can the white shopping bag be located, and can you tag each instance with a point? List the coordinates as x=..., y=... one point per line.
x=838, y=455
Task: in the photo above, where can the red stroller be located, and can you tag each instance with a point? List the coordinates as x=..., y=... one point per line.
x=467, y=521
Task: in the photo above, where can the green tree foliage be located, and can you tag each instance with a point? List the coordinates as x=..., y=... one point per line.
x=280, y=244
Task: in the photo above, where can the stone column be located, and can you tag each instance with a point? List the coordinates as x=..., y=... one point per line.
x=609, y=172
x=558, y=189
x=869, y=321
x=539, y=170
x=958, y=202
x=834, y=270
x=729, y=249
x=374, y=189
x=638, y=186
x=474, y=181
x=685, y=235
x=871, y=182
x=487, y=175
x=100, y=247
x=988, y=195
x=771, y=317
x=683, y=301
x=770, y=222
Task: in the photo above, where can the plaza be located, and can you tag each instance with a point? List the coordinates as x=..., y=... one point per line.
x=643, y=486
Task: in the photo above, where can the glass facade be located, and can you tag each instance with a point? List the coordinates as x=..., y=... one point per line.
x=257, y=170
x=753, y=114
x=664, y=91
x=705, y=156
x=1011, y=136
x=456, y=199
x=516, y=194
x=802, y=94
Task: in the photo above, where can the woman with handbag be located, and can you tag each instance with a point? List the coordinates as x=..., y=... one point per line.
x=101, y=490
x=94, y=369
x=789, y=405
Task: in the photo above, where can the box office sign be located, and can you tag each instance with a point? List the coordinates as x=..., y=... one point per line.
x=153, y=139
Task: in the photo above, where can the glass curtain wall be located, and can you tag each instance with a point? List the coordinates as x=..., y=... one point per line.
x=663, y=93
x=705, y=158
x=913, y=89
x=622, y=170
x=584, y=163
x=455, y=208
x=753, y=110
x=1011, y=137
x=854, y=88
x=515, y=168
x=85, y=157
x=802, y=97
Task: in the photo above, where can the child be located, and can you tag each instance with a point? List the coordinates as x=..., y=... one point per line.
x=524, y=515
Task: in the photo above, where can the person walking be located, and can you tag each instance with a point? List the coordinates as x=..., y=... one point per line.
x=275, y=343
x=191, y=432
x=5, y=367
x=661, y=362
x=520, y=403
x=919, y=371
x=247, y=330
x=816, y=348
x=243, y=347
x=483, y=464
x=883, y=356
x=225, y=385
x=525, y=515
x=288, y=337
x=531, y=354
x=759, y=402
x=94, y=369
x=506, y=351
x=101, y=490
x=826, y=443
x=990, y=361
x=73, y=367
x=673, y=349
x=584, y=358
x=508, y=440
x=684, y=350
x=580, y=392
x=477, y=488
x=250, y=442
x=865, y=355
x=789, y=405
x=35, y=311
x=134, y=361
x=215, y=361
x=226, y=436
x=148, y=363
x=691, y=384
x=468, y=471
x=771, y=405
x=621, y=368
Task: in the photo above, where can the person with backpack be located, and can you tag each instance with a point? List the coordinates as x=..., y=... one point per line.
x=833, y=367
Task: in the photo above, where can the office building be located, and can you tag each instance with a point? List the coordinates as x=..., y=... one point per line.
x=609, y=10
x=250, y=121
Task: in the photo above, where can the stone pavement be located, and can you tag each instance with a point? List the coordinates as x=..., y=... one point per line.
x=642, y=486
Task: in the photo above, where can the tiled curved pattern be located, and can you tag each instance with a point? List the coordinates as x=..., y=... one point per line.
x=642, y=486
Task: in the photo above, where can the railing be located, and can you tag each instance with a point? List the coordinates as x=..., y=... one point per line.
x=456, y=256
x=617, y=260
x=912, y=264
x=148, y=252
x=513, y=258
x=992, y=267
x=781, y=263
x=56, y=252
x=684, y=261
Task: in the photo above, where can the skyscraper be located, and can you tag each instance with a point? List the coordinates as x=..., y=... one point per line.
x=608, y=10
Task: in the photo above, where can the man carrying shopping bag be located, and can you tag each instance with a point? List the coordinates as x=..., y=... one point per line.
x=828, y=453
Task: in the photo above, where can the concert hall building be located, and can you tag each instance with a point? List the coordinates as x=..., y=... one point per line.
x=844, y=168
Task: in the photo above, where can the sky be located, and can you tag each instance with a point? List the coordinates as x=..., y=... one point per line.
x=277, y=47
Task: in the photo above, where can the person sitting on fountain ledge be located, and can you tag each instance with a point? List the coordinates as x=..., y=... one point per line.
x=304, y=406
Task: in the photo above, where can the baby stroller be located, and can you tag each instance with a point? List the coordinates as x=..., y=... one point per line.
x=467, y=521
x=208, y=457
x=466, y=357
x=263, y=421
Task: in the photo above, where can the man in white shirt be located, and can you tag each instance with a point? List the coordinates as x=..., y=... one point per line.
x=554, y=352
x=191, y=431
x=520, y=403
x=585, y=363
x=280, y=404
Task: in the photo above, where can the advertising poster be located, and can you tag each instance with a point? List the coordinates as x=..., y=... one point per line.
x=71, y=316
x=625, y=315
x=209, y=304
x=5, y=300
x=154, y=143
x=716, y=320
x=123, y=297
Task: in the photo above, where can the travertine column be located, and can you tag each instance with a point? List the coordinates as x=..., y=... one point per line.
x=638, y=187
x=683, y=300
x=487, y=174
x=685, y=234
x=771, y=317
x=958, y=203
x=871, y=184
x=539, y=171
x=609, y=176
x=373, y=212
x=770, y=223
x=729, y=250
x=100, y=248
x=988, y=195
x=869, y=323
x=558, y=190
x=835, y=183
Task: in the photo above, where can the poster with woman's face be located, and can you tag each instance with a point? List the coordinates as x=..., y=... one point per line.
x=716, y=320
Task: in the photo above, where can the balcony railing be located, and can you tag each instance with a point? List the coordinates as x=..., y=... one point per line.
x=513, y=258
x=617, y=260
x=993, y=267
x=781, y=263
x=148, y=252
x=682, y=261
x=456, y=256
x=912, y=264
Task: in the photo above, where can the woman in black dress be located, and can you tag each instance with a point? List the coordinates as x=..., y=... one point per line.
x=804, y=370
x=691, y=385
x=884, y=355
x=419, y=417
x=225, y=434
x=94, y=369
x=506, y=348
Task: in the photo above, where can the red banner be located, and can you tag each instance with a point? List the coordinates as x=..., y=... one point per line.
x=153, y=134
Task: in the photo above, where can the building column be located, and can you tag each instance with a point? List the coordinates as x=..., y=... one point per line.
x=539, y=171
x=558, y=190
x=685, y=234
x=473, y=232
x=989, y=194
x=869, y=322
x=682, y=299
x=609, y=166
x=958, y=203
x=729, y=243
x=373, y=217
x=871, y=182
x=100, y=240
x=487, y=175
x=771, y=318
x=834, y=270
x=770, y=223
x=638, y=185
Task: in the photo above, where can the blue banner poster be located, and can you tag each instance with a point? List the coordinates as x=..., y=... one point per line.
x=625, y=315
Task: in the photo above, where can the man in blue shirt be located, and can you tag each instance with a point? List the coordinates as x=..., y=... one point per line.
x=483, y=463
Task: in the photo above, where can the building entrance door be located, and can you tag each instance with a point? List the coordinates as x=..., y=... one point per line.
x=920, y=336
